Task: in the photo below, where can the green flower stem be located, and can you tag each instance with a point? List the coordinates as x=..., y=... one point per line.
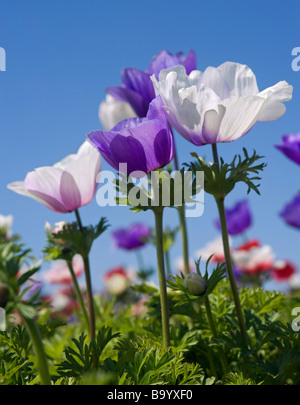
x=168, y=265
x=38, y=347
x=79, y=295
x=213, y=328
x=87, y=272
x=184, y=239
x=139, y=258
x=228, y=261
x=183, y=227
x=158, y=213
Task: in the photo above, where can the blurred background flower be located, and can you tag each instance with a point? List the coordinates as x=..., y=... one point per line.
x=290, y=147
x=133, y=237
x=238, y=218
x=291, y=212
x=59, y=273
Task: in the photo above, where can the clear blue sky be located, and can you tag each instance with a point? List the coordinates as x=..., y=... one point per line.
x=61, y=55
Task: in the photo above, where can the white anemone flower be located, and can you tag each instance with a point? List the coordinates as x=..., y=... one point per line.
x=220, y=104
x=111, y=111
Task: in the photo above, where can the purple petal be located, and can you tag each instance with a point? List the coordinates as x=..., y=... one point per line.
x=137, y=102
x=139, y=82
x=127, y=149
x=165, y=60
x=290, y=147
x=238, y=218
x=291, y=212
x=132, y=237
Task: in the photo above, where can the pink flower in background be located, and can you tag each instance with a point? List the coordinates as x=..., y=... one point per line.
x=214, y=248
x=179, y=265
x=65, y=186
x=60, y=272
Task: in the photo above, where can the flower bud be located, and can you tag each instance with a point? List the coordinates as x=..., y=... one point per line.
x=195, y=284
x=4, y=295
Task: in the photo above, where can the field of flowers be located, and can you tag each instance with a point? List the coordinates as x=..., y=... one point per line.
x=209, y=323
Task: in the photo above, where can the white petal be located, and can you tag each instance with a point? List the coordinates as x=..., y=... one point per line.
x=84, y=171
x=111, y=111
x=240, y=79
x=240, y=116
x=277, y=94
x=212, y=78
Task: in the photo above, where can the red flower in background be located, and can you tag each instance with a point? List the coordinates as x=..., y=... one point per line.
x=282, y=270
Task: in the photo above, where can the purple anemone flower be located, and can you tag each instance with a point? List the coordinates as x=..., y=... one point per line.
x=131, y=238
x=290, y=147
x=137, y=87
x=165, y=59
x=144, y=144
x=291, y=212
x=238, y=218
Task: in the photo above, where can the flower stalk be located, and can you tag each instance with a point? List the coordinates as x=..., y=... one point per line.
x=38, y=347
x=87, y=272
x=228, y=261
x=213, y=328
x=79, y=295
x=158, y=213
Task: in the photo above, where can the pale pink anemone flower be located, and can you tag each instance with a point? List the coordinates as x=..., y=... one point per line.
x=65, y=186
x=60, y=272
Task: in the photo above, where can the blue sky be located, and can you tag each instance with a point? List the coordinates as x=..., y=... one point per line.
x=61, y=55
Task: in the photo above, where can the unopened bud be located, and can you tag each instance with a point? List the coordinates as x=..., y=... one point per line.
x=195, y=284
x=4, y=295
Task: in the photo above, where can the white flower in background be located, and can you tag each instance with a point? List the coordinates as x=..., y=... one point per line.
x=6, y=225
x=254, y=260
x=220, y=104
x=214, y=248
x=294, y=282
x=112, y=111
x=57, y=227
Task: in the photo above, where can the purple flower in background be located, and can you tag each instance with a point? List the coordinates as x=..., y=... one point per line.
x=165, y=59
x=137, y=90
x=137, y=87
x=66, y=186
x=291, y=212
x=238, y=218
x=290, y=147
x=131, y=238
x=144, y=144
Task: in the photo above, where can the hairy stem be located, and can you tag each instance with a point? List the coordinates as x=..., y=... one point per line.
x=161, y=276
x=79, y=295
x=87, y=272
x=38, y=348
x=213, y=328
x=228, y=261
